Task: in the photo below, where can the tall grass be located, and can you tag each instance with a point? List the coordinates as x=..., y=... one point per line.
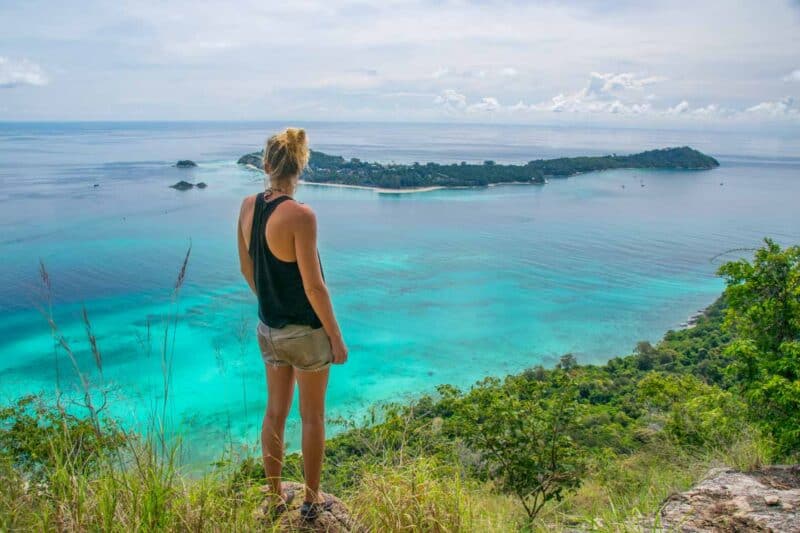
x=624, y=493
x=168, y=351
x=423, y=495
x=87, y=401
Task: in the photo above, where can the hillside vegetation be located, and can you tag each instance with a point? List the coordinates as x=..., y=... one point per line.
x=576, y=446
x=324, y=168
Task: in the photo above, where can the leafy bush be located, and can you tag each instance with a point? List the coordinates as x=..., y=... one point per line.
x=523, y=435
x=36, y=437
x=764, y=314
x=711, y=418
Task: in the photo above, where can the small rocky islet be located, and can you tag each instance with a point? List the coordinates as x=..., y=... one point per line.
x=325, y=168
x=185, y=185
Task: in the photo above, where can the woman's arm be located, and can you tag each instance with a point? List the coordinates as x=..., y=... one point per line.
x=245, y=261
x=305, y=244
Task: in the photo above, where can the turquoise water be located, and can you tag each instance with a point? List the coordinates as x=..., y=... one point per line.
x=440, y=287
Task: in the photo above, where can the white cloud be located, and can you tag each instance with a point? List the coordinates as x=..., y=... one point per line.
x=509, y=72
x=487, y=103
x=520, y=107
x=605, y=93
x=792, y=76
x=785, y=107
x=679, y=109
x=709, y=110
x=601, y=100
x=451, y=99
x=14, y=73
x=609, y=82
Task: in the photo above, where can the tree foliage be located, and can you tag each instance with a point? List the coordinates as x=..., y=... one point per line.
x=764, y=315
x=36, y=437
x=522, y=431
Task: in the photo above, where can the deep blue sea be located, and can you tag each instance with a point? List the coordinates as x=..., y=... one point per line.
x=438, y=287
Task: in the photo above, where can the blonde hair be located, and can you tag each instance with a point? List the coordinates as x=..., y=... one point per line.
x=285, y=156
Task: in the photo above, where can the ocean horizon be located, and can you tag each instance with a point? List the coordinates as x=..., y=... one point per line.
x=445, y=286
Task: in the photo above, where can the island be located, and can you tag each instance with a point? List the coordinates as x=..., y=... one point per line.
x=330, y=169
x=185, y=163
x=185, y=185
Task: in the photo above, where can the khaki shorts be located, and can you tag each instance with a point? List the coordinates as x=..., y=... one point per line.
x=302, y=347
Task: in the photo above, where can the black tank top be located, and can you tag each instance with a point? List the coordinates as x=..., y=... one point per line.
x=282, y=299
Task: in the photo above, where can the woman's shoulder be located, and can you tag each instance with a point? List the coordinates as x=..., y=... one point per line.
x=299, y=213
x=250, y=200
x=248, y=204
x=301, y=208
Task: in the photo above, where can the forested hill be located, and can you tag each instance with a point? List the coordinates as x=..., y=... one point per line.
x=324, y=168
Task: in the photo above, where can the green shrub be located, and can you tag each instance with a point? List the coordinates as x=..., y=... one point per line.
x=522, y=431
x=36, y=437
x=764, y=314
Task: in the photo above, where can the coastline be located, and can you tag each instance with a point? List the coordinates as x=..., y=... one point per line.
x=413, y=190
x=407, y=190
x=379, y=190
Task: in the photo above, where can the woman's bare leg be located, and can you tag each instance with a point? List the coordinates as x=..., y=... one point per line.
x=312, y=410
x=280, y=387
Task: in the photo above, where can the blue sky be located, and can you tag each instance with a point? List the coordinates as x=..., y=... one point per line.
x=654, y=62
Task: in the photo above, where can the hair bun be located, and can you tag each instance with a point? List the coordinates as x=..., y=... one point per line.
x=296, y=136
x=286, y=154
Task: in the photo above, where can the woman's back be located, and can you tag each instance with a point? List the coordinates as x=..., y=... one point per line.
x=279, y=286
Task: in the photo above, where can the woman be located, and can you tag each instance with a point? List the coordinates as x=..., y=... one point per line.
x=298, y=333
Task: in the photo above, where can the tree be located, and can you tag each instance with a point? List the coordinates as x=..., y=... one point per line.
x=764, y=313
x=521, y=429
x=567, y=362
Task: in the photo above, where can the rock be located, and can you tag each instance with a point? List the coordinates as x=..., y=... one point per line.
x=253, y=159
x=201, y=185
x=337, y=520
x=731, y=501
x=185, y=163
x=182, y=186
x=96, y=185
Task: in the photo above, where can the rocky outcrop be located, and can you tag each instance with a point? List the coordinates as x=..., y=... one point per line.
x=182, y=185
x=185, y=185
x=337, y=520
x=253, y=159
x=185, y=163
x=731, y=501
